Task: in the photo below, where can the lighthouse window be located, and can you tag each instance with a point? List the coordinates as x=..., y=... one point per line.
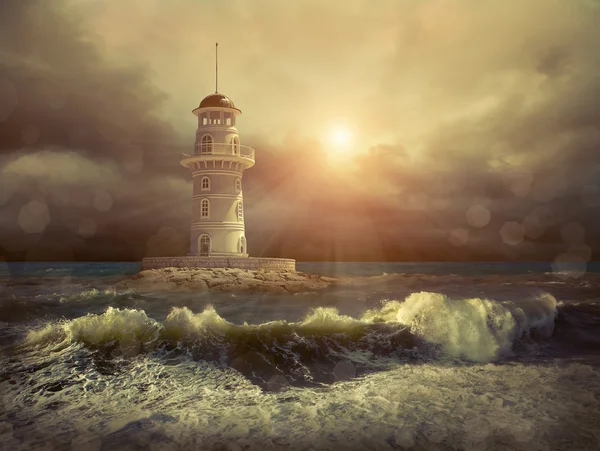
x=205, y=183
x=215, y=117
x=227, y=118
x=235, y=143
x=206, y=145
x=204, y=208
x=204, y=119
x=238, y=185
x=240, y=212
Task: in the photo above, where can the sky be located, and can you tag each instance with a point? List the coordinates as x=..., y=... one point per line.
x=473, y=127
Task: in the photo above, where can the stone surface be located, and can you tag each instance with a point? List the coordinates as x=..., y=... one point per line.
x=223, y=279
x=249, y=263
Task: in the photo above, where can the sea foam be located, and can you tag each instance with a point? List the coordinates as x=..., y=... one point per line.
x=112, y=325
x=476, y=329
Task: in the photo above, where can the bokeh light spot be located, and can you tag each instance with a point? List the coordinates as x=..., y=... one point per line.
x=567, y=266
x=343, y=371
x=519, y=181
x=87, y=228
x=103, y=201
x=405, y=438
x=476, y=430
x=278, y=382
x=523, y=431
x=512, y=233
x=478, y=216
x=459, y=237
x=580, y=252
x=536, y=222
x=34, y=217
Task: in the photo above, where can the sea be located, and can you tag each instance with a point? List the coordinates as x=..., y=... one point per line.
x=402, y=356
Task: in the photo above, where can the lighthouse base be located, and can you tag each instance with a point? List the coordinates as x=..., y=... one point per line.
x=251, y=263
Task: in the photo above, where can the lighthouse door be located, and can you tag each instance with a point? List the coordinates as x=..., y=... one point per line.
x=204, y=246
x=242, y=245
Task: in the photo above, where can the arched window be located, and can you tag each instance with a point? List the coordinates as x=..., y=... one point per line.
x=204, y=245
x=205, y=184
x=242, y=245
x=204, y=208
x=235, y=145
x=238, y=185
x=240, y=212
x=206, y=145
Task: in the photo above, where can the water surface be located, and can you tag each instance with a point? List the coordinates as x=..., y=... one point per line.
x=418, y=356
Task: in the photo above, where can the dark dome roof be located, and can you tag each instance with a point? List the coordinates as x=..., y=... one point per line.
x=217, y=100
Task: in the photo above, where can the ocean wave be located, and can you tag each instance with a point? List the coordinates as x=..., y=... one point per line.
x=114, y=325
x=478, y=330
x=93, y=293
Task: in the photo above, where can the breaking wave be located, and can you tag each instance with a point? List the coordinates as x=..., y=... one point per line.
x=424, y=326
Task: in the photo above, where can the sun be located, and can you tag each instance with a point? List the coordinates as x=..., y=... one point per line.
x=340, y=137
x=341, y=144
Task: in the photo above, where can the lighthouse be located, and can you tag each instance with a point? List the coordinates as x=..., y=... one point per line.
x=217, y=165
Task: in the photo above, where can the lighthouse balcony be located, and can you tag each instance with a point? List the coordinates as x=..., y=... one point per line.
x=240, y=156
x=233, y=149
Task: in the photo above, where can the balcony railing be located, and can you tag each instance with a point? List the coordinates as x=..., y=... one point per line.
x=224, y=149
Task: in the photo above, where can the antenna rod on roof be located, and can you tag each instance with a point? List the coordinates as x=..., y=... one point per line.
x=216, y=67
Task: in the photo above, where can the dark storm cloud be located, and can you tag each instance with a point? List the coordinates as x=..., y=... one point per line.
x=70, y=94
x=81, y=135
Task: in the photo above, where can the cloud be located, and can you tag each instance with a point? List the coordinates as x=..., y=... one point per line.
x=65, y=168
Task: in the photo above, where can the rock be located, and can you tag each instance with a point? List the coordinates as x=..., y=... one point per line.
x=272, y=277
x=223, y=280
x=293, y=276
x=308, y=285
x=212, y=283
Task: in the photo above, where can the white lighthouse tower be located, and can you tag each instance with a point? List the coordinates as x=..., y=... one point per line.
x=218, y=163
x=217, y=232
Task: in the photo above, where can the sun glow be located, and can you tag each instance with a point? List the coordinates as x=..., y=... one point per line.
x=341, y=144
x=340, y=137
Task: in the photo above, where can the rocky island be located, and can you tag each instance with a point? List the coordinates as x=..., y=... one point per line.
x=224, y=279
